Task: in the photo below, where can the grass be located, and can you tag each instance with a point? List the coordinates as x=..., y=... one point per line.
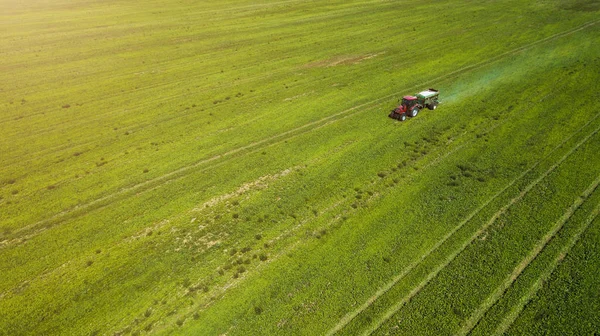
x=228, y=167
x=528, y=285
x=573, y=275
x=392, y=292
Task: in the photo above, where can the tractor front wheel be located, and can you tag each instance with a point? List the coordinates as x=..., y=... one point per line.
x=402, y=117
x=414, y=112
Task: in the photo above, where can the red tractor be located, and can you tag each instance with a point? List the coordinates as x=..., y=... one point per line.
x=411, y=105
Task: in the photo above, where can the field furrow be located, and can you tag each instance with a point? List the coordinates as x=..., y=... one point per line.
x=392, y=310
x=513, y=314
x=278, y=138
x=498, y=292
x=468, y=323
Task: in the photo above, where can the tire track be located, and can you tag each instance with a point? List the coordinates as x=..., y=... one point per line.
x=329, y=209
x=499, y=291
x=287, y=249
x=287, y=134
x=161, y=180
x=511, y=317
x=90, y=207
x=456, y=252
x=470, y=67
x=349, y=317
x=475, y=65
x=288, y=233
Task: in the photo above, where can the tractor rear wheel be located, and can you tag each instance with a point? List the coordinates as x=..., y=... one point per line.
x=414, y=112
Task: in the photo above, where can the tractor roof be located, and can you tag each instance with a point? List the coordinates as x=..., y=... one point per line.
x=409, y=97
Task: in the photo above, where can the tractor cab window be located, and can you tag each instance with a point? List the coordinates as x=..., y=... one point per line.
x=408, y=102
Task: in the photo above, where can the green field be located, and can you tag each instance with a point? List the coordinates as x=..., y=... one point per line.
x=228, y=168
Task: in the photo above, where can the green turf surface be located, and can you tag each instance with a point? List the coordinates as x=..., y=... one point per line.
x=228, y=167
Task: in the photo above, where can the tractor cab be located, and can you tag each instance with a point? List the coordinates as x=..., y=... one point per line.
x=408, y=102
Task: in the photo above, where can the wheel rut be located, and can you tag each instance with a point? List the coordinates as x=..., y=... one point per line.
x=349, y=317
x=515, y=312
x=499, y=292
x=258, y=145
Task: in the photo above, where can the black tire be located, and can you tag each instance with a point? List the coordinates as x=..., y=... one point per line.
x=432, y=106
x=402, y=117
x=414, y=112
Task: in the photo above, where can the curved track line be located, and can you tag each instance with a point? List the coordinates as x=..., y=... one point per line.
x=511, y=317
x=286, y=233
x=454, y=254
x=349, y=317
x=500, y=290
x=292, y=246
x=170, y=176
x=329, y=119
x=289, y=232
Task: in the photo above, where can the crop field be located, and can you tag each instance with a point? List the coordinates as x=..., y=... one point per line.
x=229, y=167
